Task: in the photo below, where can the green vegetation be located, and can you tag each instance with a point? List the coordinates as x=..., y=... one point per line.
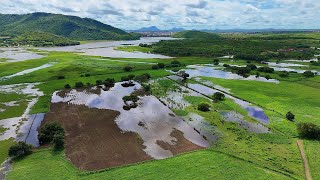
x=4, y=148
x=313, y=156
x=205, y=164
x=43, y=39
x=309, y=131
x=67, y=26
x=52, y=133
x=19, y=150
x=133, y=49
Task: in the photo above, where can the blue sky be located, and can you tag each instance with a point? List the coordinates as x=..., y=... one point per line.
x=189, y=14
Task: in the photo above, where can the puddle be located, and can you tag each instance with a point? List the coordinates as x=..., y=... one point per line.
x=217, y=72
x=18, y=54
x=153, y=121
x=106, y=48
x=26, y=71
x=250, y=126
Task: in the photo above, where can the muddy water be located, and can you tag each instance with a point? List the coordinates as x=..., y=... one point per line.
x=18, y=54
x=253, y=111
x=217, y=72
x=151, y=119
x=250, y=126
x=19, y=127
x=106, y=48
x=26, y=71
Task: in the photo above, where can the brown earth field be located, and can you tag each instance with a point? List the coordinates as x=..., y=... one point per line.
x=93, y=141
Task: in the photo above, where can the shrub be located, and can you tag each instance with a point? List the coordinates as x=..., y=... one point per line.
x=87, y=75
x=48, y=131
x=284, y=74
x=265, y=69
x=67, y=86
x=218, y=96
x=290, y=116
x=125, y=78
x=109, y=82
x=161, y=65
x=226, y=65
x=58, y=141
x=175, y=62
x=251, y=66
x=204, y=107
x=146, y=87
x=79, y=84
x=308, y=74
x=98, y=82
x=155, y=67
x=127, y=68
x=143, y=78
x=20, y=149
x=309, y=131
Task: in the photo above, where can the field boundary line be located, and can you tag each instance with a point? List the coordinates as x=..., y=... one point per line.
x=304, y=159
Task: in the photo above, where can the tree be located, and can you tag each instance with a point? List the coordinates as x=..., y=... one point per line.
x=109, y=82
x=127, y=68
x=290, y=116
x=161, y=65
x=216, y=62
x=308, y=74
x=218, y=96
x=284, y=74
x=58, y=141
x=309, y=131
x=79, y=84
x=98, y=82
x=155, y=67
x=20, y=149
x=204, y=107
x=48, y=131
x=67, y=86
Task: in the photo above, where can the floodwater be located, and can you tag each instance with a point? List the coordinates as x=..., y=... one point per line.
x=18, y=54
x=217, y=72
x=5, y=167
x=152, y=120
x=106, y=48
x=293, y=70
x=250, y=126
x=273, y=64
x=253, y=111
x=23, y=127
x=307, y=61
x=28, y=71
x=202, y=126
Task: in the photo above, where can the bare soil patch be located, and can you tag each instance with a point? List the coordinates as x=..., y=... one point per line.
x=93, y=139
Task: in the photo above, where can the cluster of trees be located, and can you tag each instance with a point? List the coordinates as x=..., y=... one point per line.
x=212, y=45
x=52, y=133
x=20, y=150
x=309, y=131
x=145, y=45
x=309, y=74
x=133, y=99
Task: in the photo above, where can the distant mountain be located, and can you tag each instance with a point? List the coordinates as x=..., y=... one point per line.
x=72, y=27
x=156, y=29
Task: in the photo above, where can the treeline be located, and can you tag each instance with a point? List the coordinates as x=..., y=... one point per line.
x=212, y=45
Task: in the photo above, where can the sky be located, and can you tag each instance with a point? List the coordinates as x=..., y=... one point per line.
x=188, y=14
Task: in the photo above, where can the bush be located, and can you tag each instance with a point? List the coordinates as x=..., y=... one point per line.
x=67, y=86
x=204, y=107
x=79, y=84
x=218, y=96
x=146, y=87
x=175, y=62
x=125, y=78
x=155, y=67
x=252, y=66
x=161, y=65
x=48, y=131
x=290, y=116
x=109, y=82
x=284, y=74
x=309, y=131
x=58, y=141
x=265, y=69
x=99, y=82
x=20, y=149
x=143, y=78
x=127, y=68
x=308, y=74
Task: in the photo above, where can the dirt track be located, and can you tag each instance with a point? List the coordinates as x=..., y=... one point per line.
x=304, y=159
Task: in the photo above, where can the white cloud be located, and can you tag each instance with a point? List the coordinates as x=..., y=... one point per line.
x=193, y=14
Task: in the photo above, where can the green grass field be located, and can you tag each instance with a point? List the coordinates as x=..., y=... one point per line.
x=4, y=147
x=313, y=156
x=46, y=164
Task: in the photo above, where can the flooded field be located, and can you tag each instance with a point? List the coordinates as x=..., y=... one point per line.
x=17, y=54
x=217, y=72
x=106, y=48
x=157, y=131
x=26, y=71
x=24, y=127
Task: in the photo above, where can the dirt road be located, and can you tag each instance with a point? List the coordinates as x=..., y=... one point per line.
x=305, y=160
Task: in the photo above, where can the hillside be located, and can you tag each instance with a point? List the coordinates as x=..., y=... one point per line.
x=196, y=35
x=67, y=26
x=43, y=39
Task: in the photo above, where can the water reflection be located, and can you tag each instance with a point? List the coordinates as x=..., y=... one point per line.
x=18, y=54
x=153, y=121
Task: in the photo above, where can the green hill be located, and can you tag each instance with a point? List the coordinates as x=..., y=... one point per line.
x=43, y=39
x=72, y=27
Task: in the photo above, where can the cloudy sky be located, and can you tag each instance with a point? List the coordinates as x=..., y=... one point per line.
x=189, y=14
